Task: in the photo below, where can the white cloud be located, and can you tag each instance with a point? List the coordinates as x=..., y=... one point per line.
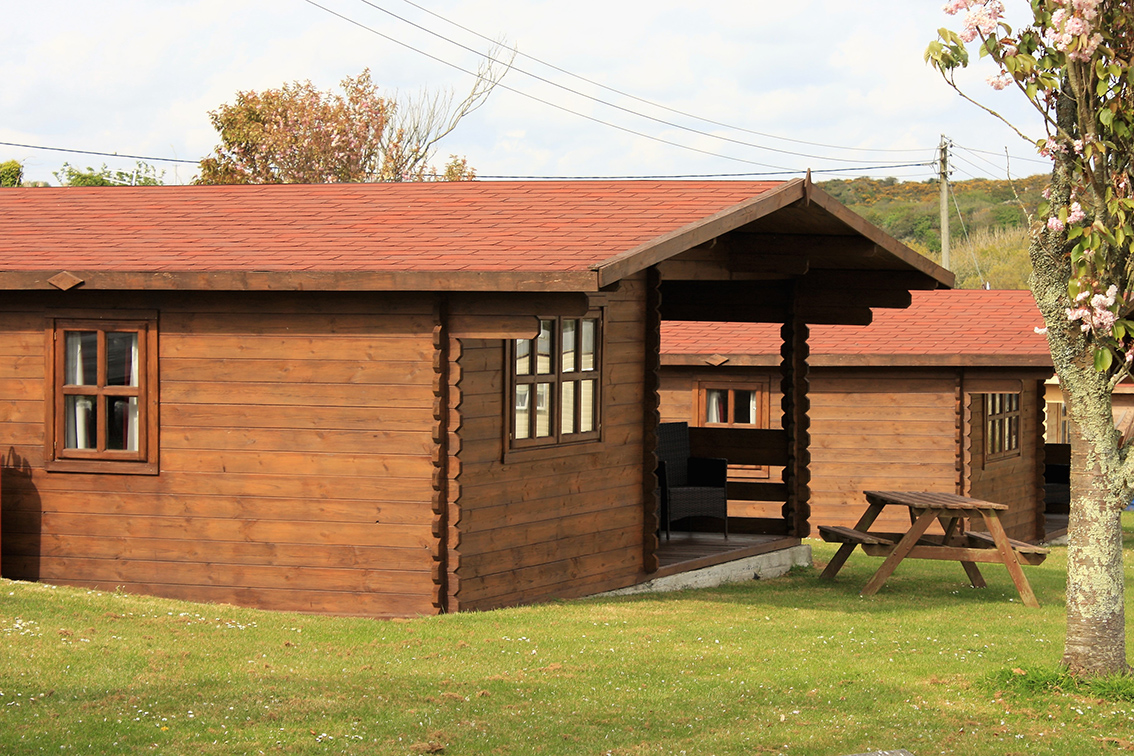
x=139, y=77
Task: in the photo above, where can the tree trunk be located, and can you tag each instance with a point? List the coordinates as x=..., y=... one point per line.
x=1096, y=617
x=1096, y=621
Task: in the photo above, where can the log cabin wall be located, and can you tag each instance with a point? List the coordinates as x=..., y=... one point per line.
x=869, y=430
x=556, y=522
x=892, y=429
x=1008, y=479
x=295, y=456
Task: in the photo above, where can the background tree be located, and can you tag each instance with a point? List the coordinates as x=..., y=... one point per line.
x=143, y=174
x=1073, y=63
x=298, y=134
x=11, y=173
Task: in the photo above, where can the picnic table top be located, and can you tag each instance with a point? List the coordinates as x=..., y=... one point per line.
x=931, y=500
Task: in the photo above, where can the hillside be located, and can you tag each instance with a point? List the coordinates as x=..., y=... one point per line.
x=988, y=237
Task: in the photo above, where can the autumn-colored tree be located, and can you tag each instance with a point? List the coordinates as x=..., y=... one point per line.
x=298, y=134
x=1074, y=62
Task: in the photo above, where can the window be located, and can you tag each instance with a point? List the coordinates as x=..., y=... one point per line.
x=723, y=404
x=741, y=404
x=102, y=401
x=1002, y=426
x=556, y=383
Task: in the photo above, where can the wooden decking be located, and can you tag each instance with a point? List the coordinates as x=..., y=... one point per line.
x=692, y=551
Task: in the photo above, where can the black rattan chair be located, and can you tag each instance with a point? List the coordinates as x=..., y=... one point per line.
x=690, y=486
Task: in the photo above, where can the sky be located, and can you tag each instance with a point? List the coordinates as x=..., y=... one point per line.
x=598, y=88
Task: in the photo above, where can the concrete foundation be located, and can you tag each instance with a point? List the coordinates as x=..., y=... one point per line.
x=760, y=567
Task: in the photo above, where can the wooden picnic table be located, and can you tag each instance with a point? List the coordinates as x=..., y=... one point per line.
x=957, y=544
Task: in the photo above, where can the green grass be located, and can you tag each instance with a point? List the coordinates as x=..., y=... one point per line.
x=791, y=666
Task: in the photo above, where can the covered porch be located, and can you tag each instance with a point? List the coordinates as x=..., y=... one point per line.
x=795, y=258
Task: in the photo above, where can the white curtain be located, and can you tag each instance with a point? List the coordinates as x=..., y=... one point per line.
x=78, y=409
x=713, y=406
x=80, y=417
x=132, y=405
x=73, y=372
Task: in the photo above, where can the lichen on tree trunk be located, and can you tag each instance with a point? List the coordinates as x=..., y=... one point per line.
x=1096, y=623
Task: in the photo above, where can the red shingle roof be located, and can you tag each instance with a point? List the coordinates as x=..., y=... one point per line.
x=962, y=326
x=443, y=227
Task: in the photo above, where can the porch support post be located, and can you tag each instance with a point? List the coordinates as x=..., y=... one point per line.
x=651, y=515
x=796, y=420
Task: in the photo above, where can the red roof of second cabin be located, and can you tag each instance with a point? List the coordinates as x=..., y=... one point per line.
x=960, y=326
x=444, y=227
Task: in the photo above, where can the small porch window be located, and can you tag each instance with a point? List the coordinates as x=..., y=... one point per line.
x=733, y=404
x=556, y=383
x=102, y=396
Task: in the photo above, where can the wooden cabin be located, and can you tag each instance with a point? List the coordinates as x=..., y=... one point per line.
x=392, y=399
x=946, y=395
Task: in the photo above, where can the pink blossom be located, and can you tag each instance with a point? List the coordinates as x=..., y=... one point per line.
x=1070, y=30
x=981, y=18
x=1089, y=8
x=1099, y=316
x=1000, y=81
x=1076, y=215
x=953, y=7
x=1055, y=224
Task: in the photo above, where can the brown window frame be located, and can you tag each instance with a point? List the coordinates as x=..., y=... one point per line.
x=762, y=389
x=558, y=378
x=759, y=387
x=1001, y=426
x=58, y=458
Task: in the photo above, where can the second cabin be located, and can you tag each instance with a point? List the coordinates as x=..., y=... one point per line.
x=946, y=395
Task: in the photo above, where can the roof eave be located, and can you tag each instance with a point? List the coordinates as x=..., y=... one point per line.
x=240, y=280
x=723, y=359
x=944, y=277
x=673, y=243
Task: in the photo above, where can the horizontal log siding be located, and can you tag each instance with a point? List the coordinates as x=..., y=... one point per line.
x=552, y=523
x=1011, y=481
x=869, y=430
x=296, y=434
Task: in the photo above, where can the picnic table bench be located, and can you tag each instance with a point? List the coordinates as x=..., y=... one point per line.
x=957, y=543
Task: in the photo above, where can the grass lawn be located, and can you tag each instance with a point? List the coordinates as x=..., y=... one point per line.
x=787, y=666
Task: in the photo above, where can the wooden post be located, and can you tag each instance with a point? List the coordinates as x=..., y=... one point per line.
x=1040, y=532
x=943, y=182
x=650, y=418
x=796, y=421
x=441, y=361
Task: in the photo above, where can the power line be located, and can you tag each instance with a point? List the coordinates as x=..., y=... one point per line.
x=978, y=157
x=601, y=101
x=705, y=175
x=642, y=99
x=100, y=154
x=1000, y=154
x=505, y=87
x=562, y=108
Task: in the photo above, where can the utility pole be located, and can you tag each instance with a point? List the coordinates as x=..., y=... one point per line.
x=943, y=183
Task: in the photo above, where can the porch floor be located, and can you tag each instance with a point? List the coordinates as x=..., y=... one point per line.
x=1056, y=527
x=692, y=551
